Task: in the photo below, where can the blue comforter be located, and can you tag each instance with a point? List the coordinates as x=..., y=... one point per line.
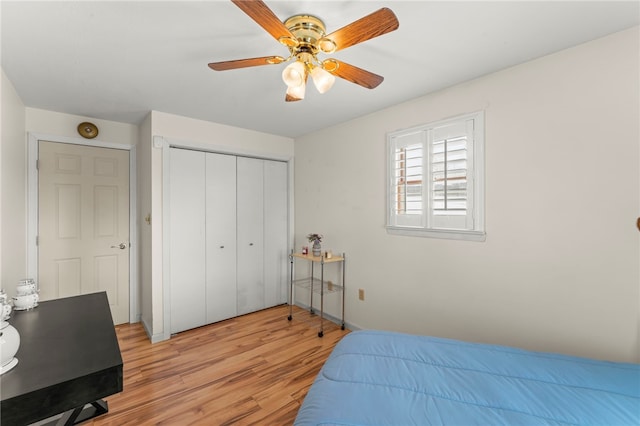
x=385, y=378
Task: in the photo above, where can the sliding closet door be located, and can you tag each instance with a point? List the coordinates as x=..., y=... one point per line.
x=221, y=237
x=276, y=218
x=187, y=236
x=250, y=231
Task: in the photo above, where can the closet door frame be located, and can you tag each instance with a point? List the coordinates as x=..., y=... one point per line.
x=165, y=144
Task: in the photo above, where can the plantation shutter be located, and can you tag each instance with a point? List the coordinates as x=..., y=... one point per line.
x=451, y=176
x=435, y=179
x=407, y=193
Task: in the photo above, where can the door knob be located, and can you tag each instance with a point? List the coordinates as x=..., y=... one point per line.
x=121, y=246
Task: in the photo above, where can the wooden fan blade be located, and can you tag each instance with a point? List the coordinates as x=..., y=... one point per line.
x=355, y=75
x=371, y=26
x=260, y=12
x=244, y=63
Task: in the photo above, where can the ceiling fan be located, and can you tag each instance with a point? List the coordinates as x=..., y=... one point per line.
x=305, y=37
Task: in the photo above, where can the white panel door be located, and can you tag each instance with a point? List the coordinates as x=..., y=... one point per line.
x=276, y=218
x=83, y=223
x=221, y=237
x=250, y=231
x=187, y=239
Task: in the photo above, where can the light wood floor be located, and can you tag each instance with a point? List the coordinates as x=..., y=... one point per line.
x=255, y=369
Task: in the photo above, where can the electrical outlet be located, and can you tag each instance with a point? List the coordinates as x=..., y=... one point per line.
x=361, y=293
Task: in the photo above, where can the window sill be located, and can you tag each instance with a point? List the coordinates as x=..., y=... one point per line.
x=448, y=234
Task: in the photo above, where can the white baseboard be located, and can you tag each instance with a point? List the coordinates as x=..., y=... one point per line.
x=330, y=317
x=154, y=338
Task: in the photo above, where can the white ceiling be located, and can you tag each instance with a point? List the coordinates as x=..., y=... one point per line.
x=117, y=60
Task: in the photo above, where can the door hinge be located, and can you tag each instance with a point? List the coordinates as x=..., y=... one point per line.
x=37, y=240
x=37, y=164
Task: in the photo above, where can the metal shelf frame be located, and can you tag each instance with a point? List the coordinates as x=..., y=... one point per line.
x=315, y=285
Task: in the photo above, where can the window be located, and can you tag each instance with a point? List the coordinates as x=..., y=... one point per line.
x=436, y=179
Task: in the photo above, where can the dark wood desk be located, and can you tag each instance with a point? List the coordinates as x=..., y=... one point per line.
x=68, y=357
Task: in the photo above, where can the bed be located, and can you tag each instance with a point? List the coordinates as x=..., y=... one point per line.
x=386, y=378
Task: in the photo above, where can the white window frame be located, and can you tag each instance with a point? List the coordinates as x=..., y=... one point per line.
x=426, y=224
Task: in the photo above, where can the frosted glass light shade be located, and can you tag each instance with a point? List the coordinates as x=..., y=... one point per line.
x=294, y=74
x=322, y=79
x=297, y=92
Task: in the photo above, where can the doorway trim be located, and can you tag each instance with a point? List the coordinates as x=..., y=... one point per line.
x=32, y=208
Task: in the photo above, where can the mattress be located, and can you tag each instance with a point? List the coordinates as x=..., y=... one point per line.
x=386, y=378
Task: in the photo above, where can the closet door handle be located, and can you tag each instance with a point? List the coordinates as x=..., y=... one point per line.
x=221, y=246
x=250, y=244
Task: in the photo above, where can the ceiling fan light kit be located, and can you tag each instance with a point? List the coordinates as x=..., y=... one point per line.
x=305, y=36
x=294, y=74
x=295, y=93
x=322, y=79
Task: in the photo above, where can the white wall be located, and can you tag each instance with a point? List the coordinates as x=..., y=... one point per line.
x=66, y=125
x=13, y=160
x=560, y=269
x=204, y=135
x=196, y=132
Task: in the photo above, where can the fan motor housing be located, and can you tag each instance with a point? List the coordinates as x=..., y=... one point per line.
x=308, y=31
x=306, y=28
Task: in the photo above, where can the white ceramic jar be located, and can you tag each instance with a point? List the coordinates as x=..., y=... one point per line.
x=26, y=286
x=9, y=344
x=26, y=301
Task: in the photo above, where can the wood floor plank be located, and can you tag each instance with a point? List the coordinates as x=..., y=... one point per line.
x=252, y=370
